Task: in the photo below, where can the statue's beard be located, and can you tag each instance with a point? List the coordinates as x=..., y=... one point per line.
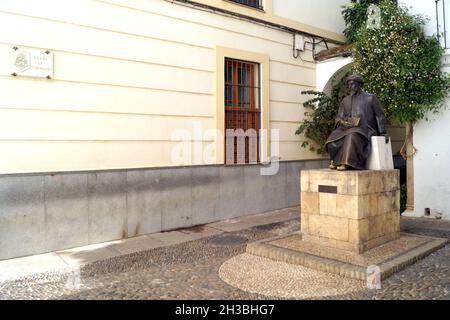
x=353, y=92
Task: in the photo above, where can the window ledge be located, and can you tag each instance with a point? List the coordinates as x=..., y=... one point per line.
x=244, y=6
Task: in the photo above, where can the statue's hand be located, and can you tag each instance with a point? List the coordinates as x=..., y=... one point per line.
x=351, y=122
x=346, y=124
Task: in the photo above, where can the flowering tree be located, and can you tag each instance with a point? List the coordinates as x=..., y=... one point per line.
x=401, y=65
x=398, y=62
x=355, y=15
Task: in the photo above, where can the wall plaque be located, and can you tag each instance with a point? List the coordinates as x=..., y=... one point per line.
x=31, y=63
x=327, y=189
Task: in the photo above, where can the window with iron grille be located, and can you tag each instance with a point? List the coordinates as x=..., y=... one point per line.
x=242, y=112
x=250, y=3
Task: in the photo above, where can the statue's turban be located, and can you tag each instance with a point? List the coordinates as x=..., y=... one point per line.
x=355, y=77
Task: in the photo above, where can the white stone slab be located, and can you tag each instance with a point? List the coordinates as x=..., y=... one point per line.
x=380, y=157
x=88, y=254
x=17, y=268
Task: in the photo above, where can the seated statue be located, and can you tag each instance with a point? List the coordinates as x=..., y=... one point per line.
x=359, y=118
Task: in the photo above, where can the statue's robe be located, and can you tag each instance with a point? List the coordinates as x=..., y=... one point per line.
x=350, y=145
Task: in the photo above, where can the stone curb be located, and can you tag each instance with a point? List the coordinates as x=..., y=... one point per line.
x=262, y=248
x=390, y=267
x=307, y=260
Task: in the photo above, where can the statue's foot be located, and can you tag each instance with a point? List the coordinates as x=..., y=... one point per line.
x=342, y=167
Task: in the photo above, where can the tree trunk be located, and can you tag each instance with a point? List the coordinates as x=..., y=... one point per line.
x=409, y=155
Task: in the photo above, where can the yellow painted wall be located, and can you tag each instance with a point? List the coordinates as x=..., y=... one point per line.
x=127, y=73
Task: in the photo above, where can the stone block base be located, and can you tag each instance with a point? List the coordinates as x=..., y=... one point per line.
x=350, y=210
x=350, y=246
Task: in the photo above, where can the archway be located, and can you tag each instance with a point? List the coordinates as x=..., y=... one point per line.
x=329, y=70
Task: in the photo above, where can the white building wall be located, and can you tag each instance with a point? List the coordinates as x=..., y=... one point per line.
x=431, y=139
x=324, y=14
x=431, y=163
x=426, y=8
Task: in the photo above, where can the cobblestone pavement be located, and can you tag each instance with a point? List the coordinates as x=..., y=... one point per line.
x=190, y=271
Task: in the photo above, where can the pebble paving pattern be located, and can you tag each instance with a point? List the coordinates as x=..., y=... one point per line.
x=191, y=271
x=273, y=278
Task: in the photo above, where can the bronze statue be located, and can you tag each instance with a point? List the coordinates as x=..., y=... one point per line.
x=359, y=118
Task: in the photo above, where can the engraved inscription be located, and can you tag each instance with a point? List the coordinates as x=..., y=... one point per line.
x=327, y=189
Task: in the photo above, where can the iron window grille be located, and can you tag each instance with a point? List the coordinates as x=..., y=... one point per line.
x=242, y=112
x=250, y=3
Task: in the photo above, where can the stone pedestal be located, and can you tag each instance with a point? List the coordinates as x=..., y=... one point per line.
x=344, y=214
x=350, y=210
